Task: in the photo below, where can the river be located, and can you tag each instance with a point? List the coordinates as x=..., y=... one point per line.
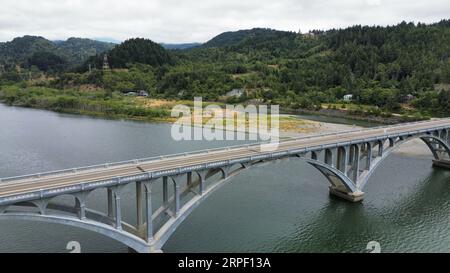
x=283, y=207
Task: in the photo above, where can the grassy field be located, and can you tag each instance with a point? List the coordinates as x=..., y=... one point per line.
x=101, y=104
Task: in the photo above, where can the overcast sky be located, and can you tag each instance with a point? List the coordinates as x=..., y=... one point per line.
x=173, y=21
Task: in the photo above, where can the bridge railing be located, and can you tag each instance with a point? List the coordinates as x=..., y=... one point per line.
x=191, y=153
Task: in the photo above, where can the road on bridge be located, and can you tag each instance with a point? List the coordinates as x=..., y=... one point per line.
x=44, y=182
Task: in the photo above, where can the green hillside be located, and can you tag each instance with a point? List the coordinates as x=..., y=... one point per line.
x=396, y=69
x=73, y=51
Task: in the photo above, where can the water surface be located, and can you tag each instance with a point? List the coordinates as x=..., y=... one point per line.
x=283, y=207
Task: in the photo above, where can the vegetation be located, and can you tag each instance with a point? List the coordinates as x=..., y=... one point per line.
x=402, y=69
x=74, y=51
x=93, y=103
x=132, y=51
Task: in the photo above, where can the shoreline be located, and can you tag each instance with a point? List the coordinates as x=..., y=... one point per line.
x=394, y=119
x=310, y=127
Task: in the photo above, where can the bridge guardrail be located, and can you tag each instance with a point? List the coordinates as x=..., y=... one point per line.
x=204, y=151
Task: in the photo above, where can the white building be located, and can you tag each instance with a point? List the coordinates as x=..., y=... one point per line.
x=348, y=97
x=236, y=93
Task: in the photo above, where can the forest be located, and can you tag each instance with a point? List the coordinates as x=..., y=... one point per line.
x=402, y=69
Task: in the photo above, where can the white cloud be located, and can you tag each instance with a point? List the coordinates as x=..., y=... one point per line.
x=191, y=21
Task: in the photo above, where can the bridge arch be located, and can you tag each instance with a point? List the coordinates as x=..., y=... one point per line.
x=125, y=238
x=341, y=183
x=346, y=165
x=430, y=141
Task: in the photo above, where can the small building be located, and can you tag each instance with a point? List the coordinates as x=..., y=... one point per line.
x=348, y=97
x=142, y=93
x=409, y=97
x=236, y=93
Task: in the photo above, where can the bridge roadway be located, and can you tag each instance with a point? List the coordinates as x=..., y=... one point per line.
x=26, y=185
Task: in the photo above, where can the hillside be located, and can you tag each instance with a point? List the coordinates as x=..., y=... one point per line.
x=78, y=49
x=403, y=68
x=132, y=51
x=234, y=38
x=74, y=50
x=180, y=46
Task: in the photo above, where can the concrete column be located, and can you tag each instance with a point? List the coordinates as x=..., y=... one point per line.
x=149, y=212
x=342, y=161
x=355, y=163
x=41, y=205
x=118, y=209
x=165, y=190
x=110, y=203
x=391, y=142
x=139, y=218
x=351, y=155
x=446, y=137
x=80, y=204
x=176, y=191
x=369, y=156
x=189, y=178
x=380, y=148
x=329, y=157
x=201, y=182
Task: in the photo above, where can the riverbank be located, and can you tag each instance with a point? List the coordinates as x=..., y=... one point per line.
x=358, y=116
x=116, y=106
x=290, y=127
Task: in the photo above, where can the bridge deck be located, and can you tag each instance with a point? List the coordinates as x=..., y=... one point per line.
x=45, y=182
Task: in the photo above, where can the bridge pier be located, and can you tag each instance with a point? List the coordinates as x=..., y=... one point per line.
x=353, y=197
x=444, y=164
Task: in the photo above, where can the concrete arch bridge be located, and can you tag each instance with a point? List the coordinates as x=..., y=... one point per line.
x=346, y=159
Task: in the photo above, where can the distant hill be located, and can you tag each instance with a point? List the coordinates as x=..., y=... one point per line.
x=180, y=46
x=19, y=49
x=78, y=49
x=74, y=51
x=234, y=38
x=137, y=50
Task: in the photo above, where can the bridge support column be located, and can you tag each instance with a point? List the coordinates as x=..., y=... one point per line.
x=165, y=190
x=176, y=193
x=110, y=203
x=342, y=159
x=315, y=155
x=391, y=142
x=447, y=137
x=353, y=197
x=380, y=148
x=368, y=156
x=201, y=182
x=139, y=208
x=42, y=205
x=442, y=163
x=80, y=204
x=355, y=157
x=329, y=157
x=189, y=178
x=148, y=213
x=117, y=207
